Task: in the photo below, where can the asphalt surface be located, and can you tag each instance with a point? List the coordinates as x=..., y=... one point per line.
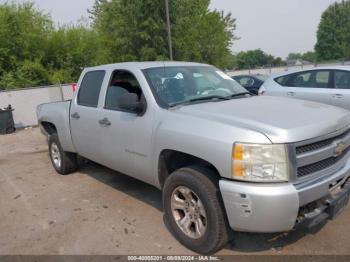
x=99, y=211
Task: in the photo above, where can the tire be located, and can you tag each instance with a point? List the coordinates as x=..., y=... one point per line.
x=64, y=162
x=204, y=185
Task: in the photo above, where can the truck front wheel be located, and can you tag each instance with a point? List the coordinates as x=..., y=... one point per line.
x=194, y=211
x=63, y=162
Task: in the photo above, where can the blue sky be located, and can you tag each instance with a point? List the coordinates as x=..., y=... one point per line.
x=276, y=26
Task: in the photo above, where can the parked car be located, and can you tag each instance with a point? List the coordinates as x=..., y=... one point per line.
x=329, y=85
x=226, y=161
x=251, y=82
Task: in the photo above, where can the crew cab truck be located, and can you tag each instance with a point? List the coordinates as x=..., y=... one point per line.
x=225, y=160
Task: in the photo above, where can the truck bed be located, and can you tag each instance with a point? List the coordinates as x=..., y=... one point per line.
x=57, y=113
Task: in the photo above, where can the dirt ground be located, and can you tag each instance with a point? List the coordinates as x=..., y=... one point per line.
x=99, y=211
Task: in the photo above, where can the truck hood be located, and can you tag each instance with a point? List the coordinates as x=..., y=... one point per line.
x=282, y=120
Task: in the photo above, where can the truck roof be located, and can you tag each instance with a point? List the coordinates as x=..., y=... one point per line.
x=145, y=65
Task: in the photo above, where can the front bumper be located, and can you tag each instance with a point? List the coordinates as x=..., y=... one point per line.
x=268, y=208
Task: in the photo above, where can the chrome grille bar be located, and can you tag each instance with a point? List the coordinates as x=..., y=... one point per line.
x=317, y=156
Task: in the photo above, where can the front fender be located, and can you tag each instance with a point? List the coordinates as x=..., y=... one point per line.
x=208, y=140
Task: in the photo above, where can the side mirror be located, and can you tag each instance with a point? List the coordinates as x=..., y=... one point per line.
x=130, y=102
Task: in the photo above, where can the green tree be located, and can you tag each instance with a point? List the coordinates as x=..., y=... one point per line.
x=310, y=56
x=71, y=48
x=256, y=58
x=136, y=30
x=27, y=74
x=130, y=30
x=23, y=41
x=201, y=34
x=333, y=35
x=278, y=61
x=232, y=61
x=33, y=52
x=294, y=56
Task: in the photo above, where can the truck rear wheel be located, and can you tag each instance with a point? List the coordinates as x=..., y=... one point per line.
x=63, y=162
x=194, y=211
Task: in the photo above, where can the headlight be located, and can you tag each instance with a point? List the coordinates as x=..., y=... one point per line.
x=260, y=163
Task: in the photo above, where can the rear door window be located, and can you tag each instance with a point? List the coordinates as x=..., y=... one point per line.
x=310, y=79
x=301, y=80
x=342, y=79
x=322, y=79
x=90, y=88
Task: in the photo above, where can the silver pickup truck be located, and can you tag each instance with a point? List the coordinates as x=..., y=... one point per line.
x=225, y=160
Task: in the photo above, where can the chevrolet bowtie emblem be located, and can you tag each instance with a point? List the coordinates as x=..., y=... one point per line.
x=339, y=149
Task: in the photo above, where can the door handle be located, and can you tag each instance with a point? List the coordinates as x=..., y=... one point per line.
x=290, y=93
x=75, y=115
x=338, y=96
x=104, y=122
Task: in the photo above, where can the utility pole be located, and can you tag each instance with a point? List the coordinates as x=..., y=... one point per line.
x=169, y=29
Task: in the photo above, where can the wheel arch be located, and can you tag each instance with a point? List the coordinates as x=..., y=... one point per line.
x=48, y=127
x=171, y=160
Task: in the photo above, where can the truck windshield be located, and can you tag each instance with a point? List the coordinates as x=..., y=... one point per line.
x=191, y=84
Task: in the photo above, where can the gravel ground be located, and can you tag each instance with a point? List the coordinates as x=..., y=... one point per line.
x=99, y=211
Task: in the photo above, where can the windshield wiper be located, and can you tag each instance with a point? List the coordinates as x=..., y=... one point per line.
x=205, y=98
x=198, y=99
x=209, y=98
x=240, y=94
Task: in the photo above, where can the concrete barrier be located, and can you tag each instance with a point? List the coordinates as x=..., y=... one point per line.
x=25, y=101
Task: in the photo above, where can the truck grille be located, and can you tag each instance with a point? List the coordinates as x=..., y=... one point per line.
x=319, y=144
x=322, y=155
x=320, y=165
